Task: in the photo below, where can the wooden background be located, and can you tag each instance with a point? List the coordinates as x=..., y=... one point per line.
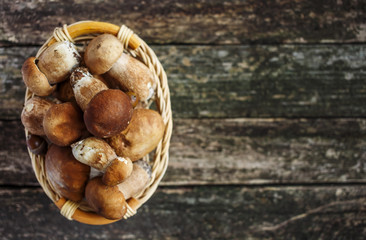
x=269, y=105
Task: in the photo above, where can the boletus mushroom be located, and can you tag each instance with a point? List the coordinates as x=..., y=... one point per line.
x=33, y=113
x=97, y=153
x=102, y=52
x=129, y=74
x=67, y=175
x=141, y=136
x=85, y=86
x=110, y=201
x=108, y=113
x=63, y=124
x=35, y=80
x=58, y=61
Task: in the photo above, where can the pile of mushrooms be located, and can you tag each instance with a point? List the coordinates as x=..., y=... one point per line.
x=87, y=116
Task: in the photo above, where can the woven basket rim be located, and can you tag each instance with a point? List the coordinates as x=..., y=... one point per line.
x=84, y=31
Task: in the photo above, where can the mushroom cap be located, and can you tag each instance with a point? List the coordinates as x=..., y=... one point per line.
x=63, y=124
x=108, y=201
x=102, y=52
x=36, y=144
x=117, y=171
x=141, y=136
x=85, y=86
x=108, y=113
x=58, y=61
x=94, y=152
x=129, y=74
x=67, y=175
x=34, y=79
x=33, y=113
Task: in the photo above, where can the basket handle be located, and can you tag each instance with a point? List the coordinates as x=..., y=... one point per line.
x=90, y=27
x=93, y=218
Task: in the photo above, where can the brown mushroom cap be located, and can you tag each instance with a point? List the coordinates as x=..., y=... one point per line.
x=129, y=74
x=108, y=113
x=108, y=201
x=102, y=52
x=58, y=61
x=34, y=79
x=117, y=171
x=85, y=86
x=141, y=136
x=63, y=124
x=67, y=175
x=33, y=113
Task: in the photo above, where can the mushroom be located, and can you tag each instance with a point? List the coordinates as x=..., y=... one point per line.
x=33, y=113
x=141, y=136
x=67, y=175
x=110, y=201
x=85, y=86
x=63, y=124
x=129, y=74
x=102, y=52
x=108, y=113
x=35, y=80
x=58, y=61
x=96, y=153
x=64, y=92
x=36, y=144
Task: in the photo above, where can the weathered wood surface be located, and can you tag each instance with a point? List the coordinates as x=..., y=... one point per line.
x=203, y=22
x=236, y=151
x=238, y=81
x=328, y=212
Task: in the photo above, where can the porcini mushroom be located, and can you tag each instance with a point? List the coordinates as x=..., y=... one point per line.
x=33, y=113
x=96, y=152
x=58, y=61
x=67, y=175
x=35, y=80
x=36, y=144
x=110, y=201
x=129, y=74
x=102, y=52
x=108, y=113
x=141, y=136
x=63, y=124
x=85, y=86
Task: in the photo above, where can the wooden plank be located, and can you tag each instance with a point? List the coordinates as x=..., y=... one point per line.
x=203, y=22
x=328, y=212
x=236, y=151
x=239, y=81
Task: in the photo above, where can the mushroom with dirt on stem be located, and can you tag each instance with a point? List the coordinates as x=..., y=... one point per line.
x=110, y=201
x=58, y=61
x=97, y=153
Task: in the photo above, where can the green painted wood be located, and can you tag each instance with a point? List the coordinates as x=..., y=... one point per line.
x=194, y=21
x=235, y=151
x=238, y=81
x=319, y=212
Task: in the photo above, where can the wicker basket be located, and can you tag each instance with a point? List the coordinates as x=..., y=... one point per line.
x=82, y=32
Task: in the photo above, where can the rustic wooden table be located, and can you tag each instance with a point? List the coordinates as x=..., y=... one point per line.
x=269, y=105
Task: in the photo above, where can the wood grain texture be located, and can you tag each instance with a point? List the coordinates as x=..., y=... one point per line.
x=328, y=212
x=238, y=81
x=236, y=151
x=224, y=22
